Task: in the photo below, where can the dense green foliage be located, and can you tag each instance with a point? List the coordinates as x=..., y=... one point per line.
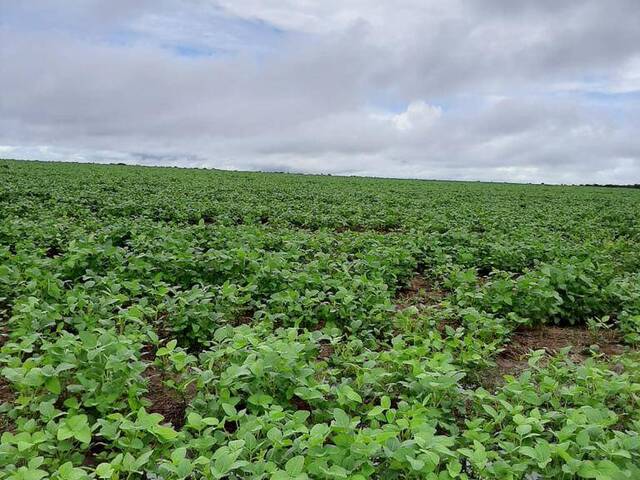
x=171, y=324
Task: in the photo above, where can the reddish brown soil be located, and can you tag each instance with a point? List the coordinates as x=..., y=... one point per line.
x=6, y=396
x=325, y=351
x=53, y=251
x=148, y=352
x=300, y=404
x=352, y=228
x=6, y=393
x=419, y=293
x=91, y=455
x=364, y=228
x=245, y=319
x=162, y=329
x=4, y=327
x=230, y=426
x=165, y=400
x=552, y=339
x=320, y=325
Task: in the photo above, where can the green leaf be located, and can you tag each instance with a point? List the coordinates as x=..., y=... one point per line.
x=588, y=469
x=164, y=432
x=76, y=426
x=342, y=420
x=336, y=471
x=23, y=446
x=194, y=420
x=104, y=470
x=260, y=399
x=224, y=462
x=295, y=465
x=600, y=470
x=24, y=473
x=178, y=455
x=454, y=467
x=64, y=433
x=375, y=411
x=143, y=459
x=350, y=393
x=415, y=464
x=274, y=434
x=67, y=471
x=528, y=451
x=53, y=385
x=83, y=435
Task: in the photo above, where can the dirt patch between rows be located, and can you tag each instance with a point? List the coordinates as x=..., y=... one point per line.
x=325, y=351
x=6, y=396
x=300, y=404
x=244, y=319
x=4, y=325
x=383, y=229
x=165, y=400
x=419, y=293
x=512, y=360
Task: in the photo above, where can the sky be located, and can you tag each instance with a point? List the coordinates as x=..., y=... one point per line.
x=497, y=90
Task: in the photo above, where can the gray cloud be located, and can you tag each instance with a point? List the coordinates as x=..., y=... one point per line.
x=492, y=90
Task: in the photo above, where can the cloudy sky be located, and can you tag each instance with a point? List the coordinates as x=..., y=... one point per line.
x=516, y=90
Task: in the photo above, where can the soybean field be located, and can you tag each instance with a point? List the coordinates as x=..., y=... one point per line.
x=163, y=323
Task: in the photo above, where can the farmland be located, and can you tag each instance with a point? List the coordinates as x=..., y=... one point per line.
x=184, y=324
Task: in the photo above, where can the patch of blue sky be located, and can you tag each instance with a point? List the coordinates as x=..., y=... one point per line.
x=387, y=104
x=191, y=51
x=123, y=38
x=617, y=106
x=217, y=33
x=603, y=97
x=612, y=97
x=204, y=33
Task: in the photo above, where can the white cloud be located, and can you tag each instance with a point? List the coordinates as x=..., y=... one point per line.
x=418, y=114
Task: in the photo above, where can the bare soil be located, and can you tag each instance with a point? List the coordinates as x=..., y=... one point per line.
x=4, y=327
x=365, y=228
x=6, y=396
x=244, y=319
x=419, y=293
x=325, y=351
x=552, y=339
x=165, y=400
x=300, y=404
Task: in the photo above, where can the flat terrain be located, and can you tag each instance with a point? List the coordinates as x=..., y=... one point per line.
x=182, y=324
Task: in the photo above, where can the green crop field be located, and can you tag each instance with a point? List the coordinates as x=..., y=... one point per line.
x=166, y=323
